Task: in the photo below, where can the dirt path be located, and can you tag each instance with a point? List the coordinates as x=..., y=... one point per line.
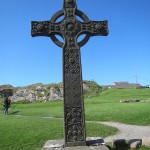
x=127, y=131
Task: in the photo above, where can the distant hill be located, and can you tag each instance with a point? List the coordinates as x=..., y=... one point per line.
x=45, y=92
x=5, y=90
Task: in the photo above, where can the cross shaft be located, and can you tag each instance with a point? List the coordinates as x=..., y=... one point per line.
x=69, y=29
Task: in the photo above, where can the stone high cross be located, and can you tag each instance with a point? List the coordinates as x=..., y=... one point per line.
x=70, y=28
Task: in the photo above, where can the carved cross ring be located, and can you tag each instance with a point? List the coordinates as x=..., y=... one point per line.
x=70, y=27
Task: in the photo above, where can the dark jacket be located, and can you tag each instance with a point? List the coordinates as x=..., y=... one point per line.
x=7, y=102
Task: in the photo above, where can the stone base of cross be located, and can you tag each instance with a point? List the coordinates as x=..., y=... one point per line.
x=70, y=28
x=93, y=143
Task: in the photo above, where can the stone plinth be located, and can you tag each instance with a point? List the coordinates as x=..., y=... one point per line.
x=92, y=144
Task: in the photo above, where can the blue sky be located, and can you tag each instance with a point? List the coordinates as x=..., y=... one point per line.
x=121, y=56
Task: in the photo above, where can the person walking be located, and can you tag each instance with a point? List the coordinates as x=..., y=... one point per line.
x=6, y=105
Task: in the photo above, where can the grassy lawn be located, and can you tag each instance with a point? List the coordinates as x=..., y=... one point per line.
x=107, y=107
x=27, y=133
x=25, y=128
x=31, y=133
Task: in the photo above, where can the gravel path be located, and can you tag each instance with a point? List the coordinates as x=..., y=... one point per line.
x=127, y=131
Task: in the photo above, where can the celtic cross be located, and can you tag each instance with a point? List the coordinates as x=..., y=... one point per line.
x=70, y=28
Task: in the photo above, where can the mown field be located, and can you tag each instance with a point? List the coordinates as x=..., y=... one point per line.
x=29, y=126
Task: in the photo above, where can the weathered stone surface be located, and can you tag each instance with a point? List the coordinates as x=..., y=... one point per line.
x=135, y=143
x=41, y=92
x=54, y=94
x=6, y=86
x=59, y=145
x=86, y=87
x=100, y=147
x=146, y=141
x=38, y=92
x=54, y=145
x=119, y=143
x=6, y=90
x=23, y=94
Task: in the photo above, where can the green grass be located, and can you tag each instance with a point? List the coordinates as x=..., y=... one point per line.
x=27, y=133
x=31, y=133
x=142, y=148
x=30, y=130
x=107, y=107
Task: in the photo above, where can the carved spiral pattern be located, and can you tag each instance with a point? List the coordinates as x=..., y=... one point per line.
x=74, y=128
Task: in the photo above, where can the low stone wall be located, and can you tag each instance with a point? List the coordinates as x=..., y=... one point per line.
x=133, y=143
x=134, y=101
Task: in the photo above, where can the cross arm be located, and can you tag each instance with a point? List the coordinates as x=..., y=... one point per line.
x=44, y=28
x=95, y=28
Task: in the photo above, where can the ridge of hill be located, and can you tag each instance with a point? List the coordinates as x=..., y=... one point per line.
x=45, y=92
x=54, y=91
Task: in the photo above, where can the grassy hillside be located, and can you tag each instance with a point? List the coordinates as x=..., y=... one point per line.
x=29, y=126
x=107, y=106
x=130, y=93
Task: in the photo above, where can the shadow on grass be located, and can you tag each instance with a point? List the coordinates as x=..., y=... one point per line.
x=15, y=112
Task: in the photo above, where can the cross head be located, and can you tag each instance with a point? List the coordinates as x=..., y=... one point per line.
x=70, y=28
